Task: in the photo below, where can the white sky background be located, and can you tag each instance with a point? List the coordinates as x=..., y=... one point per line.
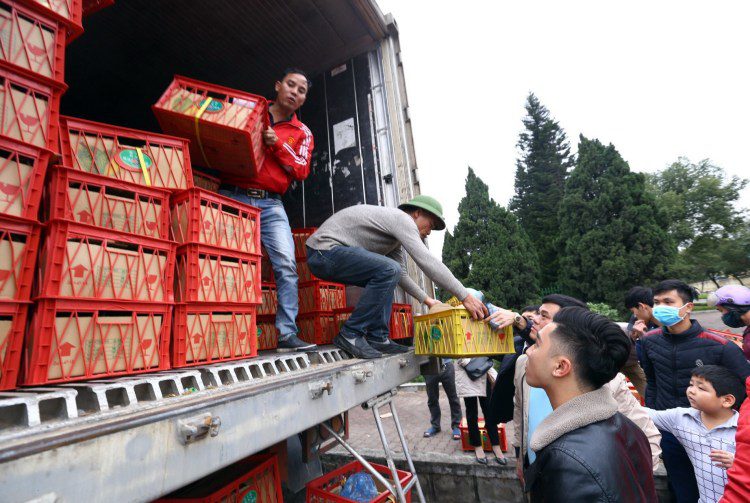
x=658, y=79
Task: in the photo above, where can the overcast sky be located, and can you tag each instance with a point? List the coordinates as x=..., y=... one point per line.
x=658, y=79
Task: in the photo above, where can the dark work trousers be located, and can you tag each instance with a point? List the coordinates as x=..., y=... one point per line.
x=472, y=419
x=680, y=474
x=447, y=377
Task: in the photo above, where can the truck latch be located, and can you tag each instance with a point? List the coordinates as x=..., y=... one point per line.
x=317, y=388
x=198, y=427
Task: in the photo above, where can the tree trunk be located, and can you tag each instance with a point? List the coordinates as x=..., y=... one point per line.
x=715, y=282
x=738, y=279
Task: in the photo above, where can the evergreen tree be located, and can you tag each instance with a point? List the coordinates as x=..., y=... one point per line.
x=489, y=251
x=615, y=236
x=540, y=180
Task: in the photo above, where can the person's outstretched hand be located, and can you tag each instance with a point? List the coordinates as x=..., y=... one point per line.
x=475, y=307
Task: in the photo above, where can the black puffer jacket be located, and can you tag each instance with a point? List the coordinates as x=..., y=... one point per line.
x=669, y=359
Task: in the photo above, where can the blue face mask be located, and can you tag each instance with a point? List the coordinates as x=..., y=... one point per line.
x=668, y=315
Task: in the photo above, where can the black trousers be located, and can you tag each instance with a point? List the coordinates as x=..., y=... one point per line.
x=432, y=382
x=472, y=419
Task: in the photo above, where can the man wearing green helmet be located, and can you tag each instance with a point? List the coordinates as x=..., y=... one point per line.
x=364, y=246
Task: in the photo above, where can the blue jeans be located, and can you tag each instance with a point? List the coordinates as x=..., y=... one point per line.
x=378, y=274
x=276, y=236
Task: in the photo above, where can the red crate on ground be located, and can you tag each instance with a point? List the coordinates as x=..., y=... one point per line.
x=317, y=328
x=22, y=170
x=70, y=340
x=327, y=489
x=209, y=274
x=224, y=125
x=199, y=216
x=303, y=272
x=32, y=44
x=30, y=110
x=210, y=333
x=340, y=316
x=300, y=237
x=255, y=479
x=268, y=335
x=205, y=181
x=12, y=330
x=321, y=296
x=67, y=12
x=269, y=300
x=19, y=244
x=150, y=159
x=466, y=446
x=88, y=262
x=112, y=204
x=402, y=322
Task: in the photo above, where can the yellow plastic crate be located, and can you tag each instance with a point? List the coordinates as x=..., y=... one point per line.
x=455, y=333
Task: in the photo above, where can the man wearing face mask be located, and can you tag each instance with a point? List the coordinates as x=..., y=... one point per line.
x=668, y=358
x=733, y=302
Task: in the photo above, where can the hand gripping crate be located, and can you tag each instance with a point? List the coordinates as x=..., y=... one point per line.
x=70, y=340
x=210, y=333
x=317, y=328
x=22, y=171
x=140, y=157
x=402, y=322
x=255, y=479
x=300, y=238
x=321, y=296
x=455, y=334
x=199, y=216
x=269, y=300
x=12, y=330
x=30, y=110
x=66, y=12
x=224, y=125
x=268, y=335
x=327, y=489
x=210, y=274
x=486, y=445
x=86, y=262
x=19, y=244
x=111, y=204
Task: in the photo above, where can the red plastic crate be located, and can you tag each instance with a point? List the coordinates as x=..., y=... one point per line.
x=92, y=6
x=30, y=110
x=70, y=340
x=199, y=216
x=268, y=335
x=19, y=244
x=85, y=262
x=67, y=12
x=486, y=446
x=209, y=274
x=317, y=328
x=300, y=237
x=255, y=479
x=111, y=204
x=32, y=44
x=326, y=489
x=402, y=322
x=224, y=125
x=269, y=300
x=206, y=181
x=303, y=272
x=140, y=157
x=321, y=296
x=210, y=333
x=340, y=316
x=12, y=330
x=22, y=170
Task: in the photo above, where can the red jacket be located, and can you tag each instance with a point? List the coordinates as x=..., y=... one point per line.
x=737, y=489
x=293, y=150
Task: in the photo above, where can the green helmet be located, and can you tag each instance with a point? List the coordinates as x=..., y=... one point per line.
x=430, y=204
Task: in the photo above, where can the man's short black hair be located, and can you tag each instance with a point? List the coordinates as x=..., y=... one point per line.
x=724, y=381
x=597, y=346
x=639, y=295
x=563, y=300
x=686, y=292
x=298, y=71
x=530, y=309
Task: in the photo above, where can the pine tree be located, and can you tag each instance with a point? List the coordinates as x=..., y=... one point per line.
x=489, y=251
x=615, y=236
x=540, y=180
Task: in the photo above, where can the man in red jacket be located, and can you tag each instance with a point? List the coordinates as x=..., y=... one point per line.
x=289, y=146
x=737, y=489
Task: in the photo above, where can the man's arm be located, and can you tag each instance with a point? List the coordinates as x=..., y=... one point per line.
x=408, y=284
x=664, y=419
x=648, y=369
x=294, y=159
x=733, y=358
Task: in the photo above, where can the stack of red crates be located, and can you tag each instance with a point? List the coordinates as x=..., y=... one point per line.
x=106, y=267
x=327, y=488
x=401, y=324
x=217, y=280
x=32, y=65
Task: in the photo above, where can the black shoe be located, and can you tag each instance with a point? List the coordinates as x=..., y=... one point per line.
x=482, y=461
x=388, y=347
x=294, y=343
x=358, y=349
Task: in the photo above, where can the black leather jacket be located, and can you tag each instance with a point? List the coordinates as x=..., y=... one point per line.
x=608, y=461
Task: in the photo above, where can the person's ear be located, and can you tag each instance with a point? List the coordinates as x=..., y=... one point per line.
x=689, y=308
x=728, y=401
x=563, y=367
x=277, y=86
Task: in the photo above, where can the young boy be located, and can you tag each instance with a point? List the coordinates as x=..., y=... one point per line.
x=706, y=430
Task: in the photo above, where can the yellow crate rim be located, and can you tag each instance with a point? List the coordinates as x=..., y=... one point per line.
x=453, y=333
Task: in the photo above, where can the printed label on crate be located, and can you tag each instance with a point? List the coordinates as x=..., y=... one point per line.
x=128, y=159
x=435, y=333
x=250, y=497
x=213, y=106
x=12, y=254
